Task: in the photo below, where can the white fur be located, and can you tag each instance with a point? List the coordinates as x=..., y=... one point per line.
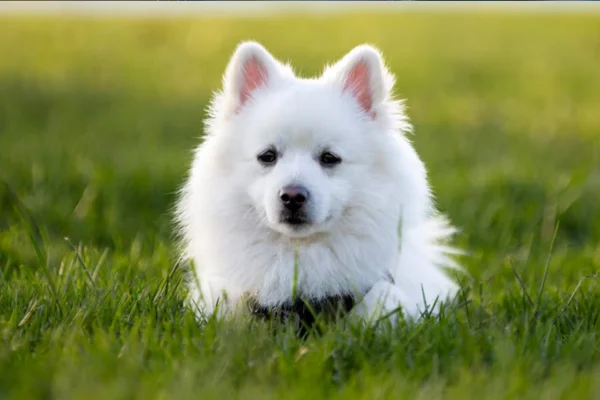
x=373, y=215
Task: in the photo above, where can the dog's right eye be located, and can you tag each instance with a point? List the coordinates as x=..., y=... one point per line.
x=267, y=157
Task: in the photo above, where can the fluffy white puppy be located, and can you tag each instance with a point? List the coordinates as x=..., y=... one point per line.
x=317, y=171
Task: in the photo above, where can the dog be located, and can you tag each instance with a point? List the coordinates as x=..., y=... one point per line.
x=310, y=188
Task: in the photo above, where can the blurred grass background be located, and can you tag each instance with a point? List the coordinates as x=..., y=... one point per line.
x=98, y=118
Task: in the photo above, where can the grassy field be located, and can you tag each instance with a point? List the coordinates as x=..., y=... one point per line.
x=97, y=122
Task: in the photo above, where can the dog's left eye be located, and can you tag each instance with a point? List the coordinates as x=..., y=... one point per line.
x=329, y=159
x=267, y=157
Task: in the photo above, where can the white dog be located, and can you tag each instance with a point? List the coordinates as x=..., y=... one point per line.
x=309, y=186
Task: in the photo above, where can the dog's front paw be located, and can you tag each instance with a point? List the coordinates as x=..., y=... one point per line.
x=384, y=300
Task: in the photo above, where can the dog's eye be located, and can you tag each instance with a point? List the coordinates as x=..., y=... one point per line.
x=267, y=157
x=329, y=159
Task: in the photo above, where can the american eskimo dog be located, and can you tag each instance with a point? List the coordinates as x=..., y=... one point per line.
x=309, y=187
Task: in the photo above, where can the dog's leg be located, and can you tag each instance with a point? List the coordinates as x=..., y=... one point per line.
x=384, y=301
x=214, y=295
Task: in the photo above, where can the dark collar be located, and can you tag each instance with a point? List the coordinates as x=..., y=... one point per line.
x=303, y=313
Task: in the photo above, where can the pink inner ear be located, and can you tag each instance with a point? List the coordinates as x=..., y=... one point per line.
x=255, y=74
x=358, y=82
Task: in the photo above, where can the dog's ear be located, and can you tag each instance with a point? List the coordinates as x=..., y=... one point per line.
x=251, y=68
x=362, y=74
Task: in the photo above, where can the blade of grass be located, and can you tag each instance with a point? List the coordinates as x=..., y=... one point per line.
x=542, y=285
x=296, y=268
x=100, y=262
x=76, y=250
x=593, y=276
x=34, y=234
x=529, y=300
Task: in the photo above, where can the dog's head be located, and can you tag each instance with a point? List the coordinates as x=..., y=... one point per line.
x=306, y=151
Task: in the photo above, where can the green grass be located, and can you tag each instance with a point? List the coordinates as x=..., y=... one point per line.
x=97, y=122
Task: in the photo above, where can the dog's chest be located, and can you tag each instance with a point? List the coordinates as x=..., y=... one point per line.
x=312, y=271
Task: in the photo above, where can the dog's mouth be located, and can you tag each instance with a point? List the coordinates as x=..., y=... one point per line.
x=298, y=224
x=294, y=219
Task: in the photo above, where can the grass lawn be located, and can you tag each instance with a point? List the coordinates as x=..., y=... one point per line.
x=97, y=121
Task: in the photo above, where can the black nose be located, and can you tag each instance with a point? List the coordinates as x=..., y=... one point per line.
x=293, y=197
